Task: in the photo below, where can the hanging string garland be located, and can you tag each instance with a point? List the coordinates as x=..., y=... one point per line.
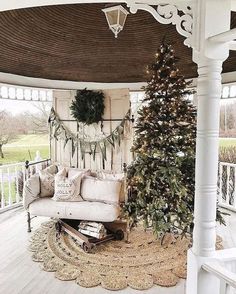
x=60, y=131
x=88, y=106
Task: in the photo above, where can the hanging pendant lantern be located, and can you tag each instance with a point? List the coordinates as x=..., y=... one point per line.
x=116, y=17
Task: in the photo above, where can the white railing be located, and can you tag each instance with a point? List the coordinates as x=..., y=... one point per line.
x=12, y=178
x=223, y=267
x=227, y=278
x=227, y=185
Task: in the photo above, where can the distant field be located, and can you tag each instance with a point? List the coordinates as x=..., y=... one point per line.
x=30, y=140
x=226, y=142
x=24, y=148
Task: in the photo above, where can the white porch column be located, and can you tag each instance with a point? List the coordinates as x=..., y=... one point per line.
x=204, y=234
x=211, y=17
x=209, y=94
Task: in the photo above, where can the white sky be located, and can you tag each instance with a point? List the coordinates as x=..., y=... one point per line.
x=16, y=106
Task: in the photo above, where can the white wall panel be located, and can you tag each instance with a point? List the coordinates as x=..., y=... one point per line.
x=116, y=106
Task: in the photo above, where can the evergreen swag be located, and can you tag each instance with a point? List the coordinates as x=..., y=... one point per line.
x=88, y=106
x=161, y=178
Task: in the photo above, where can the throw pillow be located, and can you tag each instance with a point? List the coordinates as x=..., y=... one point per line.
x=52, y=169
x=31, y=190
x=46, y=183
x=67, y=189
x=74, y=171
x=109, y=175
x=104, y=191
x=112, y=176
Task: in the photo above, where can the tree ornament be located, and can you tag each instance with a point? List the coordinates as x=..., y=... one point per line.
x=88, y=106
x=173, y=74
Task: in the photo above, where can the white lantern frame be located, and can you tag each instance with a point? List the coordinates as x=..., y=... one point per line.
x=116, y=25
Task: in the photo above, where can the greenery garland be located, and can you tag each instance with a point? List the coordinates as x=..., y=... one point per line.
x=88, y=106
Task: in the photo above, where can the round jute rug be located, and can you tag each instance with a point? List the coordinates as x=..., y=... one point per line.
x=114, y=265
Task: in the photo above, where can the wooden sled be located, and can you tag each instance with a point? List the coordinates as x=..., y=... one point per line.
x=87, y=243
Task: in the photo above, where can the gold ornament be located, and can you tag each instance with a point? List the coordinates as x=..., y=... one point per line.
x=173, y=74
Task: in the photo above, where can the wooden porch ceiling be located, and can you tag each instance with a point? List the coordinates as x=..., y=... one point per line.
x=74, y=43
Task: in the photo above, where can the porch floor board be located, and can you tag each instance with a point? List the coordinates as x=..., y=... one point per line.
x=20, y=275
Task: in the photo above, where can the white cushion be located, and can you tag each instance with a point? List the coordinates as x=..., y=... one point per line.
x=91, y=211
x=67, y=189
x=48, y=207
x=106, y=191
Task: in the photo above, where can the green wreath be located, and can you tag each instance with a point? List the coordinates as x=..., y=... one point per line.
x=88, y=106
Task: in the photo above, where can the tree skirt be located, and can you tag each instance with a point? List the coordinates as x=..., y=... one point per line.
x=114, y=265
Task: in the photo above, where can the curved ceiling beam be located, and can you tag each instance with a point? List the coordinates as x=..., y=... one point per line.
x=18, y=80
x=16, y=4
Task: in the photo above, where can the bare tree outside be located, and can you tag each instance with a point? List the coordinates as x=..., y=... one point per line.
x=8, y=130
x=39, y=119
x=21, y=131
x=228, y=119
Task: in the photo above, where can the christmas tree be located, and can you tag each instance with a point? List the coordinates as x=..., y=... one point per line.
x=161, y=178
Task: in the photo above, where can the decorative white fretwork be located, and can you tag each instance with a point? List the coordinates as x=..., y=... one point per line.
x=179, y=15
x=25, y=93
